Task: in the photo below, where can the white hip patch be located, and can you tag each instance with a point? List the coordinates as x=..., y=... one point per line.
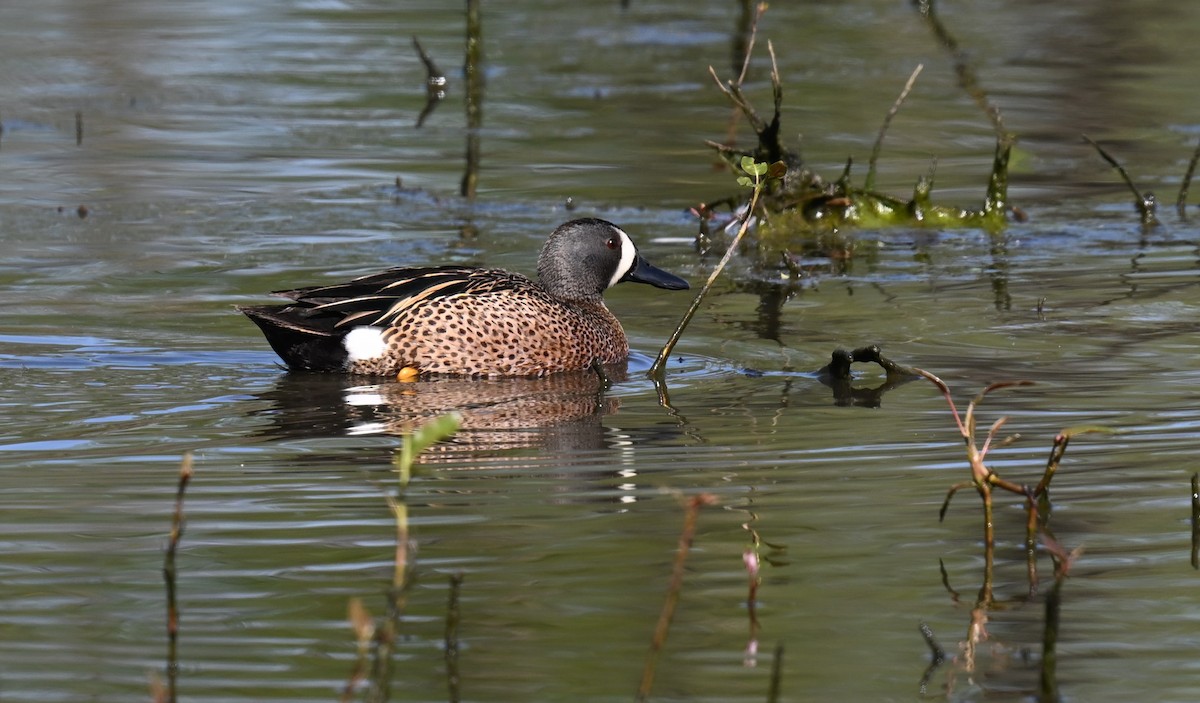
x=364, y=343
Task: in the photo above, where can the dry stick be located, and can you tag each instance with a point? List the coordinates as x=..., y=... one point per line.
x=758, y=13
x=1031, y=527
x=177, y=523
x=733, y=91
x=451, y=638
x=747, y=29
x=1181, y=201
x=869, y=184
x=657, y=369
x=686, y=536
x=1145, y=203
x=997, y=194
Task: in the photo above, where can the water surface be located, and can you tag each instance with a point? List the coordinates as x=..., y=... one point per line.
x=231, y=149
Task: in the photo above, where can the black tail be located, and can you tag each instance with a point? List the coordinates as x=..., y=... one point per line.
x=305, y=342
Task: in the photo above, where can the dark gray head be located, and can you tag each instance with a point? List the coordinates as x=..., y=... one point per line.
x=583, y=258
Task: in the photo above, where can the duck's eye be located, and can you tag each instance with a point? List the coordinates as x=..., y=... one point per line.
x=613, y=243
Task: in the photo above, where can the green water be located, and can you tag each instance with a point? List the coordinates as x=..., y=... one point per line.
x=231, y=149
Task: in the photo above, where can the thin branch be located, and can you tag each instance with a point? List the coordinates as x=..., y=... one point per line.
x=945, y=394
x=991, y=435
x=1181, y=201
x=869, y=184
x=758, y=13
x=1145, y=203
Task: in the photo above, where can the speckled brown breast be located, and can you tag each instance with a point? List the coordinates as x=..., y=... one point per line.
x=501, y=325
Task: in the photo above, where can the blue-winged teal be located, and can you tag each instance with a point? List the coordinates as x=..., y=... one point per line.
x=470, y=321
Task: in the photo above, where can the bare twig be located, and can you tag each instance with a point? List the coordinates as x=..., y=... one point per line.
x=759, y=10
x=1181, y=201
x=869, y=184
x=1145, y=203
x=751, y=560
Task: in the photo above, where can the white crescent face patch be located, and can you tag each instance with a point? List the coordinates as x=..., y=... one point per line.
x=364, y=343
x=628, y=253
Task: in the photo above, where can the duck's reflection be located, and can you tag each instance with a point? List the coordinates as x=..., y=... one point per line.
x=560, y=412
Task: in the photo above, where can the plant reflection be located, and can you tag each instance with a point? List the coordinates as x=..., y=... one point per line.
x=987, y=665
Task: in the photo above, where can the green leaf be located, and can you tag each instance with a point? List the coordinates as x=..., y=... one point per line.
x=423, y=438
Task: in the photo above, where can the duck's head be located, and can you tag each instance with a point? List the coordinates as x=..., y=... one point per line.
x=583, y=258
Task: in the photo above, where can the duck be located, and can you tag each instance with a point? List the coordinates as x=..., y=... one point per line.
x=467, y=321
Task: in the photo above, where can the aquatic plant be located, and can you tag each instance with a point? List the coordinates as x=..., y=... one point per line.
x=376, y=639
x=804, y=205
x=984, y=479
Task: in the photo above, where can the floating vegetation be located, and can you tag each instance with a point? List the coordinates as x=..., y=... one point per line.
x=804, y=210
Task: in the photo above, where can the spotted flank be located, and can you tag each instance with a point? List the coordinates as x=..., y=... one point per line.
x=468, y=321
